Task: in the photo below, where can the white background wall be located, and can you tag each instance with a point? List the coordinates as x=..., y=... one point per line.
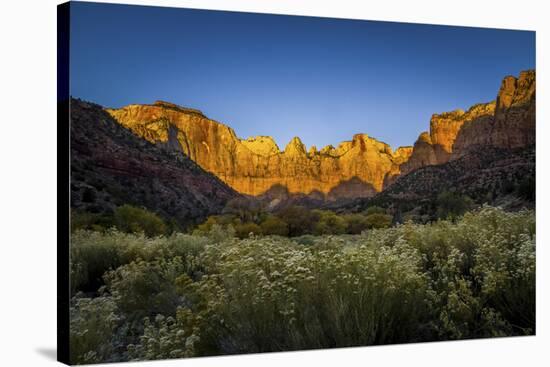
x=28, y=182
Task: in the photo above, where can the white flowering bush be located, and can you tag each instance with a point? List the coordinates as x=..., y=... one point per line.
x=92, y=328
x=146, y=288
x=482, y=272
x=216, y=294
x=95, y=253
x=278, y=296
x=164, y=337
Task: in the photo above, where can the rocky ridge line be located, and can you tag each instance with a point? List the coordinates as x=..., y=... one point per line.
x=360, y=167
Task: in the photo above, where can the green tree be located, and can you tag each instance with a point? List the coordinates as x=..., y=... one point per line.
x=244, y=208
x=329, y=223
x=274, y=225
x=299, y=219
x=378, y=220
x=356, y=223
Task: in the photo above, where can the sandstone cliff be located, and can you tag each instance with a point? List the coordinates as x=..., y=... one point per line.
x=360, y=167
x=513, y=123
x=256, y=165
x=508, y=122
x=437, y=146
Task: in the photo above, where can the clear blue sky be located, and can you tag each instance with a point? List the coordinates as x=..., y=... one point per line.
x=317, y=78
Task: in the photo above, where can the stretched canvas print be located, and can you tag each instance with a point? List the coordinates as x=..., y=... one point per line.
x=242, y=183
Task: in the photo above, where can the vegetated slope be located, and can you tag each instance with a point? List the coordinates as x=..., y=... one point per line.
x=496, y=176
x=111, y=166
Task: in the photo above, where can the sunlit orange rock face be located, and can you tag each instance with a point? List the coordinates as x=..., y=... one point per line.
x=513, y=123
x=436, y=146
x=508, y=122
x=360, y=167
x=254, y=166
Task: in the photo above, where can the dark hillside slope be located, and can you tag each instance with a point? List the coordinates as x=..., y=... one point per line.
x=502, y=177
x=111, y=166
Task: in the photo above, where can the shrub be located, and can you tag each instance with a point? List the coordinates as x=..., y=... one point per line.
x=328, y=223
x=375, y=210
x=243, y=230
x=307, y=240
x=218, y=227
x=146, y=288
x=472, y=277
x=273, y=225
x=244, y=208
x=451, y=205
x=378, y=220
x=220, y=233
x=356, y=223
x=483, y=271
x=94, y=253
x=206, y=226
x=130, y=219
x=299, y=219
x=165, y=337
x=91, y=255
x=92, y=326
x=90, y=221
x=272, y=295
